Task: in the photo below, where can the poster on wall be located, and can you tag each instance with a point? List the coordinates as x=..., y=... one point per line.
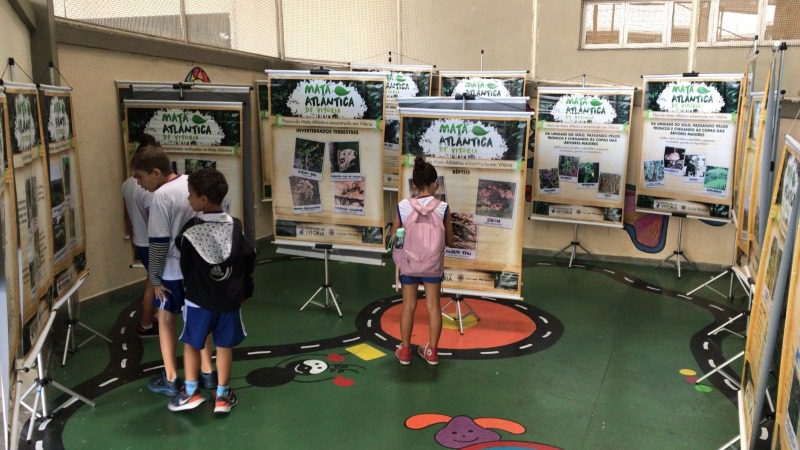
x=402, y=81
x=688, y=145
x=69, y=242
x=479, y=83
x=265, y=139
x=480, y=159
x=581, y=155
x=327, y=157
x=194, y=135
x=748, y=174
x=767, y=306
x=32, y=185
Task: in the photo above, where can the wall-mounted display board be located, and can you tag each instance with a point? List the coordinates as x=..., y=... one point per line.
x=327, y=157
x=32, y=184
x=509, y=83
x=480, y=159
x=9, y=274
x=401, y=81
x=69, y=237
x=581, y=154
x=770, y=293
x=688, y=145
x=265, y=139
x=194, y=135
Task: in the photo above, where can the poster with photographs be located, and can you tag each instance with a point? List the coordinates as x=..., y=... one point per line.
x=748, y=174
x=32, y=186
x=66, y=201
x=194, y=135
x=479, y=157
x=8, y=237
x=688, y=142
x=265, y=139
x=767, y=307
x=482, y=83
x=581, y=154
x=327, y=157
x=402, y=81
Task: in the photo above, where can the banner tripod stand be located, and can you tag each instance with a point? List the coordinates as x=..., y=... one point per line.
x=575, y=244
x=458, y=299
x=678, y=252
x=72, y=324
x=330, y=295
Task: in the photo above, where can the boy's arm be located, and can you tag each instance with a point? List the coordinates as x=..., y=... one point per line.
x=158, y=232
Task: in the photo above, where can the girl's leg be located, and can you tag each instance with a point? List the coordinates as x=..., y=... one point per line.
x=407, y=316
x=434, y=312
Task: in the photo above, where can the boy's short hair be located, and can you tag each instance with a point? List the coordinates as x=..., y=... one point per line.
x=209, y=182
x=150, y=157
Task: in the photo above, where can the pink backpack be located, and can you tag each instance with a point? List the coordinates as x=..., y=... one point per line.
x=422, y=254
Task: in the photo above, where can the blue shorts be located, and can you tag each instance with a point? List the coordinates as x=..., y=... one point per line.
x=174, y=301
x=143, y=255
x=406, y=279
x=226, y=327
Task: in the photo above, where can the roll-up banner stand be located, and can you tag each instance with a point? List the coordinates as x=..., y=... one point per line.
x=29, y=165
x=505, y=104
x=197, y=125
x=69, y=236
x=327, y=159
x=402, y=81
x=480, y=160
x=688, y=145
x=770, y=290
x=581, y=155
x=482, y=83
x=265, y=139
x=10, y=318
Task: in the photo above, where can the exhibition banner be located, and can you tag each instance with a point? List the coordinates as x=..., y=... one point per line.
x=768, y=304
x=69, y=243
x=32, y=183
x=194, y=135
x=482, y=83
x=402, y=81
x=327, y=157
x=581, y=154
x=262, y=91
x=688, y=145
x=8, y=236
x=480, y=159
x=748, y=174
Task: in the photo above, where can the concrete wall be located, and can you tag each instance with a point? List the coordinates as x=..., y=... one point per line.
x=15, y=42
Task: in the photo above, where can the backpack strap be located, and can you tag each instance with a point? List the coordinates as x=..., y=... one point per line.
x=425, y=210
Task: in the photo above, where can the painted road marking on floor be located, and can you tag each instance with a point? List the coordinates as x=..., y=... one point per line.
x=375, y=310
x=712, y=363
x=445, y=353
x=543, y=319
x=610, y=271
x=546, y=335
x=122, y=330
x=628, y=280
x=43, y=425
x=133, y=313
x=369, y=323
x=309, y=346
x=106, y=383
x=124, y=347
x=351, y=339
x=764, y=434
x=715, y=307
x=153, y=368
x=260, y=352
x=522, y=307
x=380, y=336
x=492, y=352
x=124, y=363
x=578, y=265
x=397, y=300
x=685, y=296
x=543, y=264
x=731, y=385
x=653, y=288
x=39, y=445
x=705, y=345
x=525, y=346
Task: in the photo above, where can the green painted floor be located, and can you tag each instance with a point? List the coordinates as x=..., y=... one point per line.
x=611, y=381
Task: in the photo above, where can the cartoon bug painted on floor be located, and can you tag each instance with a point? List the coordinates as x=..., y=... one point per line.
x=305, y=369
x=465, y=433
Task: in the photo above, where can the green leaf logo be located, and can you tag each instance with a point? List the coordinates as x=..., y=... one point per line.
x=703, y=90
x=341, y=91
x=491, y=85
x=596, y=102
x=400, y=78
x=198, y=119
x=478, y=131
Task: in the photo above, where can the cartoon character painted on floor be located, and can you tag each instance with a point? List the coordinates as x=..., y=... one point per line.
x=305, y=369
x=463, y=432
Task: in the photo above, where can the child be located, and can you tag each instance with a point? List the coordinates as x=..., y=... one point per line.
x=424, y=179
x=169, y=210
x=217, y=262
x=137, y=205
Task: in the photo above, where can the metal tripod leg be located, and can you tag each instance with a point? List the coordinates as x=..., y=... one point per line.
x=719, y=369
x=678, y=252
x=459, y=317
x=574, y=245
x=330, y=295
x=69, y=342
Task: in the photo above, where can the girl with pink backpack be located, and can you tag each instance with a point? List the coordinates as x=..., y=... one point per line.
x=427, y=226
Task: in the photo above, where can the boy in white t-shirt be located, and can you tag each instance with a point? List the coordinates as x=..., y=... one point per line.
x=169, y=210
x=137, y=205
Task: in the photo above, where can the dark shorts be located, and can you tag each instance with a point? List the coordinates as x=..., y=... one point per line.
x=405, y=279
x=143, y=255
x=227, y=328
x=175, y=296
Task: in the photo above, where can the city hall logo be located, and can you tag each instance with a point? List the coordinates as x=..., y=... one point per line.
x=326, y=99
x=463, y=139
x=580, y=108
x=683, y=97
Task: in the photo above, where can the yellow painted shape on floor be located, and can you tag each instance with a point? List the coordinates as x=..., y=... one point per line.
x=688, y=372
x=365, y=351
x=450, y=324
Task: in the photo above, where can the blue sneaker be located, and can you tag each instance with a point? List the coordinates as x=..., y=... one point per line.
x=184, y=401
x=208, y=380
x=159, y=384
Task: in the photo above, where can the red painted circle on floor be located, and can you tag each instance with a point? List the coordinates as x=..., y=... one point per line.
x=499, y=325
